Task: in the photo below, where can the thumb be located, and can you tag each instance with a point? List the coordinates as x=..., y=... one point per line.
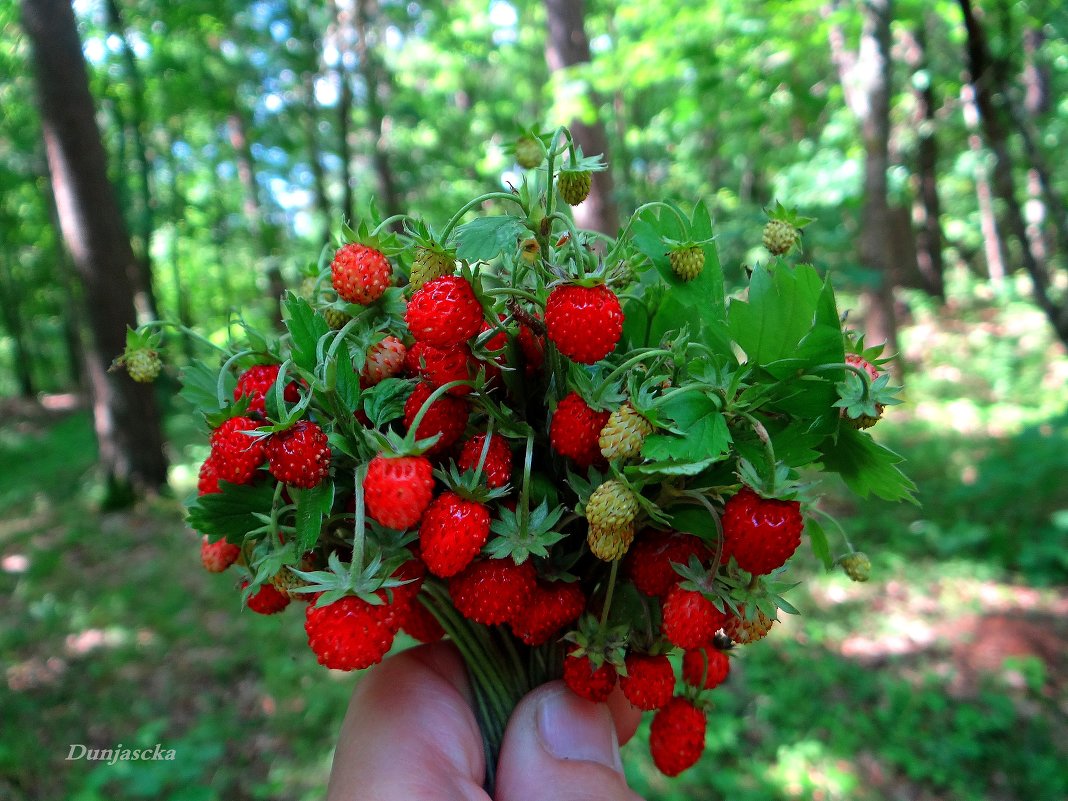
x=563, y=747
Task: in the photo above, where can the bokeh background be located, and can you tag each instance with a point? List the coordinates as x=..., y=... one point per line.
x=924, y=135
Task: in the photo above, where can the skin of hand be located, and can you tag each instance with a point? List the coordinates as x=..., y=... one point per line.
x=410, y=734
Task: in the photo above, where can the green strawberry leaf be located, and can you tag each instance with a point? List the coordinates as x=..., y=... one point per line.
x=385, y=400
x=232, y=513
x=694, y=520
x=700, y=437
x=312, y=506
x=697, y=304
x=867, y=467
x=305, y=329
x=347, y=384
x=780, y=311
x=200, y=385
x=817, y=538
x=485, y=238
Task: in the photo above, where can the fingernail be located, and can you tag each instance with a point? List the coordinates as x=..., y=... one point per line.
x=572, y=728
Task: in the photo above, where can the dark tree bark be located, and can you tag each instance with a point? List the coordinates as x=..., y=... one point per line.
x=377, y=86
x=261, y=229
x=11, y=314
x=315, y=157
x=993, y=243
x=986, y=87
x=126, y=416
x=927, y=207
x=567, y=47
x=341, y=30
x=145, y=223
x=866, y=76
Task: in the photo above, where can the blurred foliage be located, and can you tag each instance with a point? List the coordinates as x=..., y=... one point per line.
x=731, y=102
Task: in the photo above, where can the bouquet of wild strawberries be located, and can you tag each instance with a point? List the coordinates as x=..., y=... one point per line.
x=570, y=454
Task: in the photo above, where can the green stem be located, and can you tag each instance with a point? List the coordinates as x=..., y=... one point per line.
x=359, y=533
x=389, y=221
x=184, y=329
x=220, y=396
x=437, y=393
x=514, y=292
x=865, y=379
x=769, y=450
x=636, y=359
x=573, y=239
x=477, y=201
x=608, y=594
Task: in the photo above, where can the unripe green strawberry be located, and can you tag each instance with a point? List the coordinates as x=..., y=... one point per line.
x=611, y=505
x=610, y=544
x=528, y=153
x=779, y=237
x=687, y=263
x=335, y=318
x=430, y=263
x=143, y=365
x=743, y=631
x=624, y=434
x=574, y=185
x=857, y=566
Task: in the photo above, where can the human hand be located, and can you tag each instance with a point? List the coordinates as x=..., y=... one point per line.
x=411, y=735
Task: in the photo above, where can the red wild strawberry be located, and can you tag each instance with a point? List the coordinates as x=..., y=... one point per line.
x=761, y=533
x=236, y=455
x=533, y=347
x=677, y=736
x=350, y=633
x=708, y=663
x=444, y=312
x=420, y=624
x=217, y=556
x=300, y=455
x=446, y=416
x=257, y=381
x=452, y=533
x=690, y=619
x=360, y=274
x=412, y=572
x=414, y=358
x=397, y=490
x=267, y=600
x=584, y=323
x=650, y=680
x=440, y=366
x=497, y=469
x=550, y=607
x=384, y=360
x=208, y=477
x=575, y=431
x=649, y=563
x=593, y=684
x=492, y=591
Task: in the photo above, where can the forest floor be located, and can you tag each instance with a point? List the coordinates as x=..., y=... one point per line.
x=944, y=677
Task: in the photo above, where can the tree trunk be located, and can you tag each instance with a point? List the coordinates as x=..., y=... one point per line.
x=146, y=296
x=315, y=158
x=993, y=244
x=927, y=206
x=982, y=76
x=261, y=229
x=865, y=77
x=342, y=34
x=376, y=83
x=126, y=416
x=568, y=47
x=11, y=314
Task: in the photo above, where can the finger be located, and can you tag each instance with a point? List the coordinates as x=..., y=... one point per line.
x=562, y=747
x=410, y=733
x=625, y=715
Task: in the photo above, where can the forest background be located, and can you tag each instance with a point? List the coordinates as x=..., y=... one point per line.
x=187, y=160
